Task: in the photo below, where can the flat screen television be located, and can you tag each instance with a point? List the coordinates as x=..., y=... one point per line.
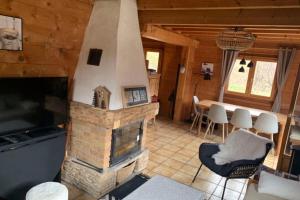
x=32, y=103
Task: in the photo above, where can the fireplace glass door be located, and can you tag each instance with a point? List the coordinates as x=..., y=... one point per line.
x=126, y=141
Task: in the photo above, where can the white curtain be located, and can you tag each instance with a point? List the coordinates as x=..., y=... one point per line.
x=228, y=60
x=285, y=60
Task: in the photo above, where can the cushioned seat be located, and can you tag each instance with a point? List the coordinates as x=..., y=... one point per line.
x=48, y=191
x=243, y=152
x=207, y=150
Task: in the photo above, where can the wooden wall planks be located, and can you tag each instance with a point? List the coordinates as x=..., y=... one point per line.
x=209, y=52
x=53, y=32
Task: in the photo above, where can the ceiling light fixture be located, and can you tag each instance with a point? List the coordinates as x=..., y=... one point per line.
x=235, y=39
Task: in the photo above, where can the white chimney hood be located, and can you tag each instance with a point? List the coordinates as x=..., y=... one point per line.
x=114, y=28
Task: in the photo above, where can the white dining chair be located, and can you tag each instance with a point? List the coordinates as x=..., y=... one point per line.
x=241, y=118
x=217, y=115
x=267, y=123
x=198, y=113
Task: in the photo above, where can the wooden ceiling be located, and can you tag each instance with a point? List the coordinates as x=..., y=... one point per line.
x=269, y=20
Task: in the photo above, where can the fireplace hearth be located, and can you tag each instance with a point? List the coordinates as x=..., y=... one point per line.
x=126, y=142
x=106, y=148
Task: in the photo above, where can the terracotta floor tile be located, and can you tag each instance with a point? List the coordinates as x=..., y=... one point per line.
x=165, y=152
x=229, y=194
x=175, y=164
x=157, y=158
x=164, y=171
x=204, y=186
x=233, y=185
x=182, y=178
x=171, y=147
x=188, y=169
x=180, y=157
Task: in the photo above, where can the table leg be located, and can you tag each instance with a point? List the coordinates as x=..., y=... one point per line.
x=200, y=121
x=280, y=138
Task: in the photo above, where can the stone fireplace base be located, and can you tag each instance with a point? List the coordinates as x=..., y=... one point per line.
x=96, y=183
x=87, y=165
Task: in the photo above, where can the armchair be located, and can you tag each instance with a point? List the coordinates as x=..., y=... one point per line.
x=233, y=170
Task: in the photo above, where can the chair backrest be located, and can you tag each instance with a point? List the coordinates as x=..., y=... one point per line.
x=195, y=102
x=217, y=114
x=241, y=118
x=266, y=123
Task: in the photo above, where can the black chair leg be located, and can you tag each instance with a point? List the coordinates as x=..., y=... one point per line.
x=224, y=188
x=197, y=173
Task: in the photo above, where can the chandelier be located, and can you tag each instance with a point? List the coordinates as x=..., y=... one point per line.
x=235, y=39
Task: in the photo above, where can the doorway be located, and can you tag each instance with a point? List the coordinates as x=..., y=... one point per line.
x=163, y=60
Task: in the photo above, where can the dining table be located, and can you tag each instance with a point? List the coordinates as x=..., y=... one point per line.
x=282, y=118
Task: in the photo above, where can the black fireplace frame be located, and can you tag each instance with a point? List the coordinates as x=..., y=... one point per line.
x=114, y=160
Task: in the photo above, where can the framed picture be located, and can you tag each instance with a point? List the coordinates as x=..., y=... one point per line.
x=133, y=96
x=207, y=68
x=11, y=34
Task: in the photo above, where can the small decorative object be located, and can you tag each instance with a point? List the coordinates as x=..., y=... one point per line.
x=134, y=96
x=182, y=68
x=243, y=62
x=241, y=69
x=11, y=33
x=94, y=57
x=101, y=97
x=207, y=70
x=250, y=64
x=235, y=39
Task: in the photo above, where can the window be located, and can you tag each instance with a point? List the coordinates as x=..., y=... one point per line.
x=153, y=59
x=256, y=81
x=238, y=80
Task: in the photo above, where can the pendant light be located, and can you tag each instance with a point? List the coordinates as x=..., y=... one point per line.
x=241, y=69
x=243, y=61
x=250, y=64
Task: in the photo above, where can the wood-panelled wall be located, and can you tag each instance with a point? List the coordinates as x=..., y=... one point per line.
x=209, y=89
x=171, y=60
x=53, y=32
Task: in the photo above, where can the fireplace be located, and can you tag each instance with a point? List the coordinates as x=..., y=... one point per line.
x=126, y=141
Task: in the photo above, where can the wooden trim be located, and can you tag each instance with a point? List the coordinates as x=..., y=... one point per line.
x=285, y=135
x=159, y=34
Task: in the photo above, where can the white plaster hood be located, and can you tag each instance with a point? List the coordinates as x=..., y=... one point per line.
x=114, y=28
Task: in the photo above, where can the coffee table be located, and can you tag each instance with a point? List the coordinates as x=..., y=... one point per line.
x=162, y=188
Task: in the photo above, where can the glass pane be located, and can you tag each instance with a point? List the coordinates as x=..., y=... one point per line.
x=153, y=58
x=263, y=78
x=238, y=80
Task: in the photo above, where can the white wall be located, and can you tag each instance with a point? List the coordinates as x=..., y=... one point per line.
x=114, y=28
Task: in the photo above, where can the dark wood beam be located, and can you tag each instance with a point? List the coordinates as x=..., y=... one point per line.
x=215, y=4
x=262, y=17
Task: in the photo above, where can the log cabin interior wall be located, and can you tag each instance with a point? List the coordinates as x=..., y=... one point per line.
x=53, y=31
x=276, y=24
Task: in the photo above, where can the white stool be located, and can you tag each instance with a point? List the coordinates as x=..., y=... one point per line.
x=241, y=118
x=48, y=191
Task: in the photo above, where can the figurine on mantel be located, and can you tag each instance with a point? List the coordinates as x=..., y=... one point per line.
x=101, y=97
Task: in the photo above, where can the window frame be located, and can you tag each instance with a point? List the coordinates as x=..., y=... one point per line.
x=251, y=79
x=160, y=51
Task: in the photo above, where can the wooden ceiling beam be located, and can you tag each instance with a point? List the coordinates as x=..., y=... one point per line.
x=215, y=4
x=159, y=34
x=248, y=18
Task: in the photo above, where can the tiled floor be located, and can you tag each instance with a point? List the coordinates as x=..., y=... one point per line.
x=174, y=154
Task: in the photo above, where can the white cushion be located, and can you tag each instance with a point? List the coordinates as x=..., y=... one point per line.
x=48, y=191
x=278, y=186
x=241, y=145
